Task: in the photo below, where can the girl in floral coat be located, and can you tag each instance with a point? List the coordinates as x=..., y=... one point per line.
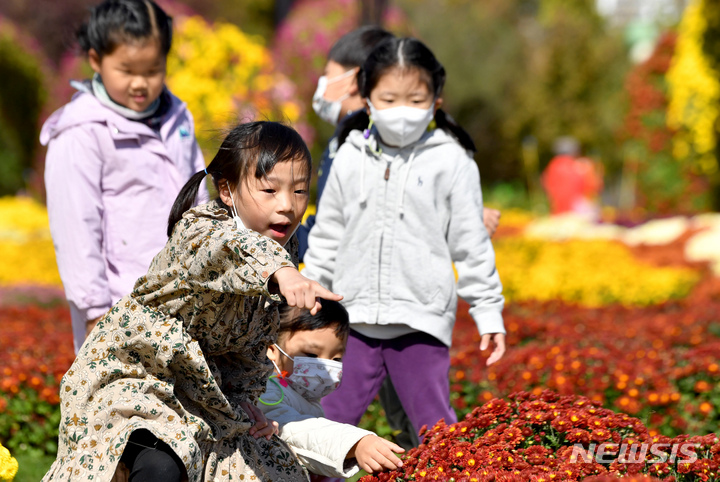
x=168, y=380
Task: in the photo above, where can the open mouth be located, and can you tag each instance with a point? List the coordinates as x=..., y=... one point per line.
x=280, y=230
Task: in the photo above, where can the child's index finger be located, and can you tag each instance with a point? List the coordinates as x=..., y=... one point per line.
x=322, y=292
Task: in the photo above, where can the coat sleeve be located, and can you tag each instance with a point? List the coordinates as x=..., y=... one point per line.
x=327, y=232
x=238, y=262
x=321, y=444
x=73, y=181
x=472, y=252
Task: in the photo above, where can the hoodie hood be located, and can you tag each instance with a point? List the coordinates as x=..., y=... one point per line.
x=84, y=108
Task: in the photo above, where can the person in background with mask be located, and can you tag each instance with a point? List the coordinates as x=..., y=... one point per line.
x=337, y=98
x=401, y=205
x=308, y=363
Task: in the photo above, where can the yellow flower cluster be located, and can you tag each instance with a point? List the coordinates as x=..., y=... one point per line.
x=587, y=272
x=26, y=245
x=8, y=464
x=694, y=95
x=224, y=76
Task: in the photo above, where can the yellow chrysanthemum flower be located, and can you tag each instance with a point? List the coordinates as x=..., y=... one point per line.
x=8, y=464
x=28, y=252
x=694, y=95
x=225, y=76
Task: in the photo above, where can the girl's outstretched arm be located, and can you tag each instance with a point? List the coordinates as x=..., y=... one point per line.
x=300, y=291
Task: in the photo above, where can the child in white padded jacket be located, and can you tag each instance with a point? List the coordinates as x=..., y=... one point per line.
x=308, y=360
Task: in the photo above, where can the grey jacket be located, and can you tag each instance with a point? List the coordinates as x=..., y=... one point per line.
x=391, y=224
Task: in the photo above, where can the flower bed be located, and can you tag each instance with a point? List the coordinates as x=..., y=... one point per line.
x=36, y=349
x=589, y=272
x=28, y=253
x=226, y=76
x=549, y=437
x=658, y=363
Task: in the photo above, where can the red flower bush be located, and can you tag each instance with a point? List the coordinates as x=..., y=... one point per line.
x=36, y=349
x=659, y=363
x=547, y=437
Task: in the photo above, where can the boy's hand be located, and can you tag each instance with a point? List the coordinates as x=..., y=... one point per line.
x=263, y=427
x=499, y=351
x=300, y=291
x=375, y=454
x=491, y=220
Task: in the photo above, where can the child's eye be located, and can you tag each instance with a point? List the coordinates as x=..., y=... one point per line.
x=337, y=359
x=269, y=191
x=301, y=191
x=311, y=355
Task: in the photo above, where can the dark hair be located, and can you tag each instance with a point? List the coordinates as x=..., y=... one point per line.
x=352, y=49
x=260, y=144
x=332, y=314
x=114, y=22
x=407, y=53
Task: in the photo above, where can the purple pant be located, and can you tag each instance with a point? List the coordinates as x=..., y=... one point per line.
x=418, y=365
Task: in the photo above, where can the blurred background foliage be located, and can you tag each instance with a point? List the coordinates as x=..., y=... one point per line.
x=521, y=73
x=22, y=96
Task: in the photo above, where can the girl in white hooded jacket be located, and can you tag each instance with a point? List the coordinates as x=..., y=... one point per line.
x=402, y=204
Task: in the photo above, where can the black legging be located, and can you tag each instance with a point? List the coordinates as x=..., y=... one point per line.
x=149, y=459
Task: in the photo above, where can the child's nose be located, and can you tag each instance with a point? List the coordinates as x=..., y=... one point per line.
x=139, y=82
x=285, y=202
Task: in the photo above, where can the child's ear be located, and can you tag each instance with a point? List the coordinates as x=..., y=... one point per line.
x=438, y=103
x=273, y=353
x=224, y=192
x=94, y=59
x=354, y=89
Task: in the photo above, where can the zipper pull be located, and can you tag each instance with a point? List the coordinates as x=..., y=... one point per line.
x=387, y=171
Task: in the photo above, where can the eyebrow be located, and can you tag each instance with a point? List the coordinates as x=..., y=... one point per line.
x=297, y=179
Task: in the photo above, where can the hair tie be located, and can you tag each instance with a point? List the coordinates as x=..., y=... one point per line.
x=206, y=173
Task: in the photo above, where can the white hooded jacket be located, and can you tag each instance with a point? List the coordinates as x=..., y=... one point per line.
x=389, y=227
x=321, y=444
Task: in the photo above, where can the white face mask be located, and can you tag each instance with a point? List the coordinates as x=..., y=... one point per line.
x=314, y=378
x=329, y=110
x=400, y=126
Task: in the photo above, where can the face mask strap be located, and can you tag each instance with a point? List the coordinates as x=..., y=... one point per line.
x=342, y=76
x=283, y=352
x=276, y=367
x=234, y=210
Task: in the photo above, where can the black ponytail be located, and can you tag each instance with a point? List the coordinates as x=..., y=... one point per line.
x=357, y=121
x=259, y=145
x=447, y=123
x=185, y=199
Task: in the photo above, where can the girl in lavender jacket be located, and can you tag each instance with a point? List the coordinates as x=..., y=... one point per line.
x=118, y=154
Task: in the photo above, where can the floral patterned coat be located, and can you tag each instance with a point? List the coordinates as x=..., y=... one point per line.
x=178, y=356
